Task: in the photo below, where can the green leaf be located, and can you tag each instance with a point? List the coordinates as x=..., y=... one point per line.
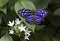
x=3, y=10
x=57, y=12
x=38, y=36
x=46, y=38
x=6, y=38
x=8, y=17
x=4, y=7
x=56, y=1
x=32, y=27
x=55, y=39
x=3, y=2
x=41, y=4
x=54, y=20
x=0, y=19
x=18, y=6
x=39, y=27
x=24, y=4
x=22, y=39
x=23, y=0
x=28, y=5
x=57, y=34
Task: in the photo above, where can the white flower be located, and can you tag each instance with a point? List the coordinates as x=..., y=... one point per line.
x=17, y=21
x=11, y=31
x=22, y=28
x=11, y=23
x=27, y=32
x=26, y=37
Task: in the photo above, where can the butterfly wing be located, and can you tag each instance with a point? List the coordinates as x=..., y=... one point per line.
x=37, y=19
x=41, y=13
x=29, y=19
x=33, y=19
x=25, y=12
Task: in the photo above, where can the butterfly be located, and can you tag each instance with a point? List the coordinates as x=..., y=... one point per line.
x=33, y=16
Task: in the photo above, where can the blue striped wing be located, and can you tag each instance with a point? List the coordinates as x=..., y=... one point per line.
x=41, y=13
x=25, y=12
x=33, y=18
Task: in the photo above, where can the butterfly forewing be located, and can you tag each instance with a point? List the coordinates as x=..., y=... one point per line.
x=25, y=12
x=41, y=13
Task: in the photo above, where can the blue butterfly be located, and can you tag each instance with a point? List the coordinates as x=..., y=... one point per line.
x=33, y=16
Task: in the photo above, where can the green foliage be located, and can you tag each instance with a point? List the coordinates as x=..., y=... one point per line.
x=2, y=5
x=55, y=19
x=56, y=1
x=3, y=2
x=0, y=19
x=47, y=30
x=55, y=39
x=4, y=10
x=41, y=4
x=24, y=4
x=39, y=36
x=57, y=12
x=6, y=38
x=39, y=27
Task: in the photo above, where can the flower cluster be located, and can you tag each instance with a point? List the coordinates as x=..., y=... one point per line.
x=21, y=28
x=26, y=31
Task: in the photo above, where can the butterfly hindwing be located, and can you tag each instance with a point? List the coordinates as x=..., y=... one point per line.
x=37, y=19
x=33, y=19
x=29, y=19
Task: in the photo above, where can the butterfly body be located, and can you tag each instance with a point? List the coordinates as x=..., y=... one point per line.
x=33, y=16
